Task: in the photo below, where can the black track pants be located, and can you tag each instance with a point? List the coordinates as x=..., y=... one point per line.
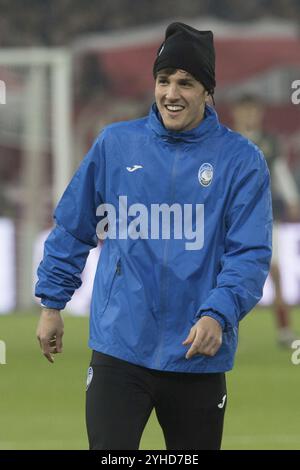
x=120, y=397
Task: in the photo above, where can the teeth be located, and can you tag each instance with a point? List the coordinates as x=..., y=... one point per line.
x=174, y=108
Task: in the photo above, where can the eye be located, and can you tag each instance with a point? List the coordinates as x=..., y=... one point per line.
x=162, y=81
x=186, y=84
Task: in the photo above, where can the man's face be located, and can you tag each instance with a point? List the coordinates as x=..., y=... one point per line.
x=180, y=99
x=247, y=117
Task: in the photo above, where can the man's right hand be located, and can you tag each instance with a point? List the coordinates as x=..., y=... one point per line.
x=49, y=332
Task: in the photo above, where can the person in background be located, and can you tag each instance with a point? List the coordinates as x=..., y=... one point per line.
x=248, y=117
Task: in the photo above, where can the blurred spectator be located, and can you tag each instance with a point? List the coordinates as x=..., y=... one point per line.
x=248, y=113
x=58, y=22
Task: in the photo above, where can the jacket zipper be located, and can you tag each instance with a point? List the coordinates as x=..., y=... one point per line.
x=164, y=278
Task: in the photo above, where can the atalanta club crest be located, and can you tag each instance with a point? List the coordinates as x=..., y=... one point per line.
x=205, y=174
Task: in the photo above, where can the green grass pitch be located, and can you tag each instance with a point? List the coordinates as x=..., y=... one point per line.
x=42, y=405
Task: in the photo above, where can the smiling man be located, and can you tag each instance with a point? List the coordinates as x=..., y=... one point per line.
x=165, y=313
x=180, y=99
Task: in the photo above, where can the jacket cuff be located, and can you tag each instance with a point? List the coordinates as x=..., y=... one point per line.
x=46, y=303
x=215, y=315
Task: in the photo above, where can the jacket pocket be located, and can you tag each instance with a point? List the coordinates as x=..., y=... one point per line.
x=110, y=280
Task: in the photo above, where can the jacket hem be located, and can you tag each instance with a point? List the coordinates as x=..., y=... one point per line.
x=206, y=368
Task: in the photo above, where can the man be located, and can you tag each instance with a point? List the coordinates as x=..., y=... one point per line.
x=174, y=281
x=248, y=115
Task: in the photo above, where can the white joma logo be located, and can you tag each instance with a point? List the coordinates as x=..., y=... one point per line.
x=220, y=405
x=133, y=168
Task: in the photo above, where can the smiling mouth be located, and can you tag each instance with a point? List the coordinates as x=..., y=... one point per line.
x=174, y=108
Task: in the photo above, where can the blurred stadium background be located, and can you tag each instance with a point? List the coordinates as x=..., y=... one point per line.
x=69, y=68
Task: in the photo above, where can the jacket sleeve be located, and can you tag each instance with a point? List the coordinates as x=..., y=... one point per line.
x=248, y=245
x=68, y=245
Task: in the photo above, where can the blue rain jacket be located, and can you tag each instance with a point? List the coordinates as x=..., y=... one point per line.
x=149, y=292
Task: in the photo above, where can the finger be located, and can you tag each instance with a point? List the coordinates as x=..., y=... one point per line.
x=198, y=349
x=46, y=345
x=49, y=357
x=59, y=344
x=190, y=337
x=55, y=345
x=197, y=343
x=212, y=348
x=192, y=351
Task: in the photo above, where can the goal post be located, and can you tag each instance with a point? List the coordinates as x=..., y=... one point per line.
x=42, y=100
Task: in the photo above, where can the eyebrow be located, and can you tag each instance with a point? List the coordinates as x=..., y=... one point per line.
x=187, y=79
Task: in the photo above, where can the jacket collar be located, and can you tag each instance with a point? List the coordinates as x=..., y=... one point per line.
x=206, y=127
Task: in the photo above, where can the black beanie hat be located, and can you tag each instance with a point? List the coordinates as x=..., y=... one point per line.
x=188, y=49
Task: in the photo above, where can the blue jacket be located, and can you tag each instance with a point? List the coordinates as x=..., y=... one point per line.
x=149, y=292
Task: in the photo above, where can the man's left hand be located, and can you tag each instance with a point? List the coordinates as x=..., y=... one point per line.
x=205, y=336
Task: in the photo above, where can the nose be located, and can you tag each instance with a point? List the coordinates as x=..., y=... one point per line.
x=172, y=93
